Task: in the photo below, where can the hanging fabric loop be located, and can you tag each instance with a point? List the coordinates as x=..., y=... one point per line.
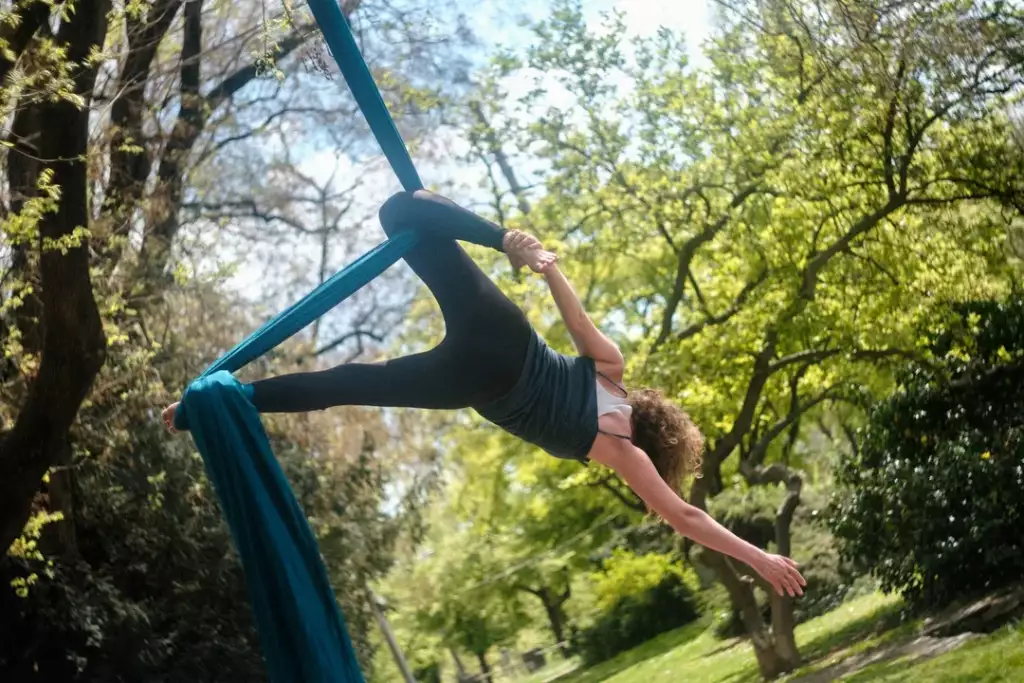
x=301, y=628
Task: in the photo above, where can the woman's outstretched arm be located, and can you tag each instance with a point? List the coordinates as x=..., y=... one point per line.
x=637, y=470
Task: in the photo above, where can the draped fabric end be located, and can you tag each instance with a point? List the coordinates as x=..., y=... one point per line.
x=302, y=631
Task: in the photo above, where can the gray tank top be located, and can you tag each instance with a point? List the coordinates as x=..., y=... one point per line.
x=553, y=405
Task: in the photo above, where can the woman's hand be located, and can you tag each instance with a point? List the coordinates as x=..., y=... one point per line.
x=524, y=249
x=168, y=416
x=781, y=572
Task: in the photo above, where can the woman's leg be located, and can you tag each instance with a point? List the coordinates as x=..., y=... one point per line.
x=465, y=294
x=486, y=334
x=422, y=380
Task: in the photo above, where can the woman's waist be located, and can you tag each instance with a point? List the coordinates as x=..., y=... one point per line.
x=553, y=405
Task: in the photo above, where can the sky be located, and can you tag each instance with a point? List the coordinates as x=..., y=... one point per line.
x=495, y=23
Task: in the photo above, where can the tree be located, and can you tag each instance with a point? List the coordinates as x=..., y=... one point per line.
x=121, y=121
x=930, y=501
x=109, y=200
x=47, y=228
x=452, y=587
x=772, y=233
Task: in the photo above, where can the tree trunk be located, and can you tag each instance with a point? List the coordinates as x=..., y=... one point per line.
x=461, y=676
x=783, y=629
x=59, y=538
x=378, y=607
x=741, y=592
x=73, y=342
x=130, y=161
x=16, y=35
x=556, y=619
x=193, y=115
x=485, y=666
x=775, y=650
x=553, y=607
x=23, y=174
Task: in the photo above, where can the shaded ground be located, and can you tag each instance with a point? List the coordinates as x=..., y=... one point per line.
x=924, y=639
x=863, y=641
x=916, y=649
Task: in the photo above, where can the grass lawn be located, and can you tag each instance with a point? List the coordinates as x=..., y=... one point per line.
x=862, y=625
x=989, y=659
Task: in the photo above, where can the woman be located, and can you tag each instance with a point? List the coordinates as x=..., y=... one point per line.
x=493, y=361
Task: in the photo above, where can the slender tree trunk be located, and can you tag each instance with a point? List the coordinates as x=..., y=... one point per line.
x=23, y=174
x=783, y=630
x=460, y=668
x=377, y=605
x=59, y=538
x=130, y=160
x=485, y=666
x=556, y=619
x=741, y=593
x=772, y=660
x=193, y=115
x=554, y=608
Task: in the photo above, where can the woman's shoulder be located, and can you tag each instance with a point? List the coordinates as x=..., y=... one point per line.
x=612, y=451
x=612, y=370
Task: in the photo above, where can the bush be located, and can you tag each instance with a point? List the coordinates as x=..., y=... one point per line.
x=933, y=503
x=154, y=592
x=659, y=599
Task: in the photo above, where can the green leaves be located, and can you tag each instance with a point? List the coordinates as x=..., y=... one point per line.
x=770, y=205
x=768, y=238
x=932, y=502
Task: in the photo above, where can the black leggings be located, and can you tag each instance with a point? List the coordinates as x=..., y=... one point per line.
x=486, y=335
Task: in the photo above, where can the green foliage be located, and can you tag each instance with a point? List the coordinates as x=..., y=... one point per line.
x=625, y=575
x=765, y=235
x=934, y=499
x=125, y=569
x=145, y=585
x=152, y=546
x=660, y=600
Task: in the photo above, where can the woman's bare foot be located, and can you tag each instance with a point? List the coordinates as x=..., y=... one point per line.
x=524, y=249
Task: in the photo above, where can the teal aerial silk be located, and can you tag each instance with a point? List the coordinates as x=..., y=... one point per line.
x=301, y=629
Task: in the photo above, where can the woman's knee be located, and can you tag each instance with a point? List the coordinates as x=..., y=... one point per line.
x=395, y=213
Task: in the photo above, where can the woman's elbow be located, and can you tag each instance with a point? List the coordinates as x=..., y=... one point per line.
x=685, y=518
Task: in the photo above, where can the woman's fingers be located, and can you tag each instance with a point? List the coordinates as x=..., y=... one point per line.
x=168, y=416
x=784, y=577
x=794, y=572
x=794, y=580
x=518, y=240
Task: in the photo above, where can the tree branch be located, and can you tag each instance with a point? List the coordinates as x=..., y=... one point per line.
x=737, y=305
x=687, y=252
x=193, y=114
x=130, y=162
x=495, y=149
x=632, y=502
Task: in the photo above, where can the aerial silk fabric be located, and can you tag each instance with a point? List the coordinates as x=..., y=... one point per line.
x=301, y=628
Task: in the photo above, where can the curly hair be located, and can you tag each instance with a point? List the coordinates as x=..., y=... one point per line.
x=667, y=434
